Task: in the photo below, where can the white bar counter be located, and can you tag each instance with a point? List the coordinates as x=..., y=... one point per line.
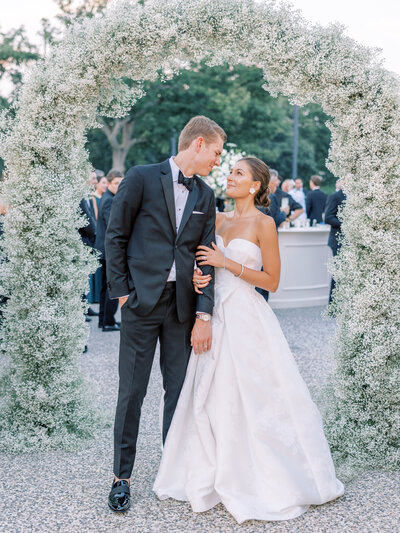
x=305, y=280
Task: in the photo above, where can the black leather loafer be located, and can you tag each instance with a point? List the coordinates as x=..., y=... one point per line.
x=111, y=328
x=92, y=312
x=119, y=499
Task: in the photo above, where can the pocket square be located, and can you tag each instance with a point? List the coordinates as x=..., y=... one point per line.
x=197, y=213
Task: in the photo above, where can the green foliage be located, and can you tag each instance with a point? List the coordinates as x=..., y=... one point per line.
x=15, y=51
x=233, y=96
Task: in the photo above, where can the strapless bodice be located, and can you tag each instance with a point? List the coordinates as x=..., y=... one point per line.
x=241, y=251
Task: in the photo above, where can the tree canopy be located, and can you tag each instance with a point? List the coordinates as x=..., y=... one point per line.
x=233, y=96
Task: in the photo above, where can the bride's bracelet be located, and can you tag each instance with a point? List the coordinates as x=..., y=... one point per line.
x=241, y=272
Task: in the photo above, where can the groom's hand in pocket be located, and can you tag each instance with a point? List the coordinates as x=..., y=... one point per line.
x=201, y=336
x=122, y=300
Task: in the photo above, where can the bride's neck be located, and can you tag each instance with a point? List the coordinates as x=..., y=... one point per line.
x=244, y=208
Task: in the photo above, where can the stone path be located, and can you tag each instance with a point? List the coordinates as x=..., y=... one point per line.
x=67, y=492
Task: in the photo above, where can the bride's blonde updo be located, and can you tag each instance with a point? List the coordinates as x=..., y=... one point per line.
x=260, y=172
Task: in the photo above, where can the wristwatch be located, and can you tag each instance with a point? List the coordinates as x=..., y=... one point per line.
x=203, y=316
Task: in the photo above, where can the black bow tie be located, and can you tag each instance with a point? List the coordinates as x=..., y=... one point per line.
x=187, y=182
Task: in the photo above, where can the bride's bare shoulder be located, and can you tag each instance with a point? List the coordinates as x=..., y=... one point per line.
x=265, y=223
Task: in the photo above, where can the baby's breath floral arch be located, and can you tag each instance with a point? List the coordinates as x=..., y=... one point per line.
x=45, y=403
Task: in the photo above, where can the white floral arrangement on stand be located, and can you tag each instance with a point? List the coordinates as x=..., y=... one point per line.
x=217, y=178
x=44, y=402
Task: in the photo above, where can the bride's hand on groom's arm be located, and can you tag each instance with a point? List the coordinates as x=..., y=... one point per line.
x=210, y=256
x=200, y=281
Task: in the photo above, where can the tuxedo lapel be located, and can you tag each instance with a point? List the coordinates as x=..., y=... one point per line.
x=168, y=188
x=190, y=203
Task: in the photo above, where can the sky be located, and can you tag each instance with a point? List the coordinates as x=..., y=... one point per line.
x=371, y=22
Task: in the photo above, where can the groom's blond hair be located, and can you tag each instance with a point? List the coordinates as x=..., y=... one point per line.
x=200, y=126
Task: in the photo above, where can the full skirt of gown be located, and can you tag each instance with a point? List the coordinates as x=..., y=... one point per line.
x=246, y=431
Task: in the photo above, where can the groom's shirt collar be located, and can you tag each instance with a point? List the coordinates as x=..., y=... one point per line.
x=175, y=170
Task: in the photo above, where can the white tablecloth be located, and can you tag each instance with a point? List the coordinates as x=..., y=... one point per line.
x=305, y=280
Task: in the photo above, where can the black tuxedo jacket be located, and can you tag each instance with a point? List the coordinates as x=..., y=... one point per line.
x=88, y=232
x=333, y=203
x=102, y=220
x=315, y=204
x=142, y=243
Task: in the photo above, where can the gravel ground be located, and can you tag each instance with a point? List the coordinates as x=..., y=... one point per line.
x=67, y=492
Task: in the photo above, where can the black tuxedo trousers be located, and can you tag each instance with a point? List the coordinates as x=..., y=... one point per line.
x=139, y=337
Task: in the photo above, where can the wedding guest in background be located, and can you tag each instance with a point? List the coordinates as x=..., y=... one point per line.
x=88, y=233
x=316, y=200
x=299, y=196
x=278, y=213
x=88, y=236
x=95, y=176
x=101, y=185
x=93, y=179
x=287, y=185
x=333, y=203
x=108, y=307
x=295, y=209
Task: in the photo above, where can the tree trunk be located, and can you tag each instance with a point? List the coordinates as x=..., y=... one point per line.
x=120, y=135
x=118, y=159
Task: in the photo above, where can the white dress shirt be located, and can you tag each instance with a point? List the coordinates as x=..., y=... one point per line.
x=181, y=195
x=299, y=196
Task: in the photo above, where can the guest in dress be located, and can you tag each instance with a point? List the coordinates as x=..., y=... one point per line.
x=101, y=186
x=299, y=196
x=316, y=200
x=333, y=203
x=108, y=307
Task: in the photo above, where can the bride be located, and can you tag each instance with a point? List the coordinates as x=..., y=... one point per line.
x=246, y=431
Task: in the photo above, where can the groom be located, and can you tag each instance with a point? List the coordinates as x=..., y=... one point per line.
x=159, y=216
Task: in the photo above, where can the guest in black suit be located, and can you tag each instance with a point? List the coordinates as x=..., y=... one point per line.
x=315, y=200
x=88, y=232
x=108, y=307
x=88, y=236
x=160, y=215
x=333, y=203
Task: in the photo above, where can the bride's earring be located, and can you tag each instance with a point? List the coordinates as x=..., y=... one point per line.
x=252, y=190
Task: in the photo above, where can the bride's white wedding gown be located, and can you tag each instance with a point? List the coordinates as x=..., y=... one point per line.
x=246, y=431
